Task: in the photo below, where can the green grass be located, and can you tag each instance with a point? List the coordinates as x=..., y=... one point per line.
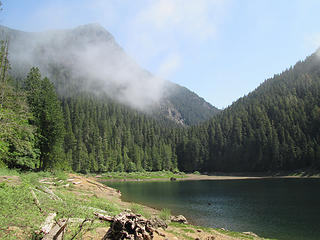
x=238, y=234
x=19, y=212
x=180, y=235
x=141, y=175
x=139, y=209
x=165, y=214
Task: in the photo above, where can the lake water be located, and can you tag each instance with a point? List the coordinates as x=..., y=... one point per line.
x=287, y=209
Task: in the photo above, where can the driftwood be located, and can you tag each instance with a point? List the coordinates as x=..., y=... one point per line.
x=98, y=185
x=36, y=201
x=56, y=233
x=130, y=226
x=104, y=217
x=48, y=223
x=50, y=192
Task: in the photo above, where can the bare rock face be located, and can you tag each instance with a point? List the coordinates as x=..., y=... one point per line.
x=179, y=219
x=132, y=226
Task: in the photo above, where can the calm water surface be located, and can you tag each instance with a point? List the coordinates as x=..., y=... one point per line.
x=286, y=209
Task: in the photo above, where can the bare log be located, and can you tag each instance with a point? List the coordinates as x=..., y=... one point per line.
x=36, y=201
x=50, y=192
x=104, y=217
x=56, y=232
x=97, y=210
x=48, y=223
x=98, y=185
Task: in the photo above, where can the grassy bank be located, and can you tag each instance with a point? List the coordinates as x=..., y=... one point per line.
x=141, y=176
x=80, y=197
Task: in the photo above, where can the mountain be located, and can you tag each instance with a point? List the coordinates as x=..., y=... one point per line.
x=275, y=127
x=88, y=59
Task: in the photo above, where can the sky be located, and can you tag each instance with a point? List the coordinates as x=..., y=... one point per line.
x=220, y=49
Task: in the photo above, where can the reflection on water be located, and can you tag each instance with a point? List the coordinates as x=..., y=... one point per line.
x=274, y=208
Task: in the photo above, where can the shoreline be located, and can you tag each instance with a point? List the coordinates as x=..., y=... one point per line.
x=198, y=177
x=197, y=231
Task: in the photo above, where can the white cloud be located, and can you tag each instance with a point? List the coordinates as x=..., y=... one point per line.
x=169, y=66
x=313, y=42
x=166, y=28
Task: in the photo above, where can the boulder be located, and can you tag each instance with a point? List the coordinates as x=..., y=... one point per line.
x=179, y=219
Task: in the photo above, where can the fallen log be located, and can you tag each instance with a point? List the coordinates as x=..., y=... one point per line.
x=98, y=185
x=104, y=217
x=35, y=199
x=56, y=232
x=50, y=192
x=48, y=223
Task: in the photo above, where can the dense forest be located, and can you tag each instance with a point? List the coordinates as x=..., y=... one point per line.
x=80, y=131
x=276, y=127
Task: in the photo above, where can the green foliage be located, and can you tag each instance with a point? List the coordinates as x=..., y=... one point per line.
x=139, y=209
x=48, y=118
x=103, y=135
x=276, y=127
x=18, y=208
x=17, y=135
x=165, y=214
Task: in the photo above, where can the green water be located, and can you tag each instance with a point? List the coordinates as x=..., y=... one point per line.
x=287, y=209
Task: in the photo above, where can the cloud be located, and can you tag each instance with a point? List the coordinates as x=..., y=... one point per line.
x=313, y=41
x=155, y=32
x=165, y=28
x=169, y=66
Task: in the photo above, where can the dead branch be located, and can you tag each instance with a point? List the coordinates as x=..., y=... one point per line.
x=104, y=217
x=50, y=192
x=36, y=201
x=80, y=228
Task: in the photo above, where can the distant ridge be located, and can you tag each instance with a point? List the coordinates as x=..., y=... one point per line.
x=87, y=58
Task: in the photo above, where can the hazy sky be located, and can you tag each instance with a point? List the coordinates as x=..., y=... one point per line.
x=220, y=49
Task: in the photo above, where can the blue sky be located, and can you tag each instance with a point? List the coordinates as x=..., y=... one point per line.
x=220, y=49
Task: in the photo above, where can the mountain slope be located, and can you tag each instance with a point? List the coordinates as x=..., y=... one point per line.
x=276, y=127
x=87, y=58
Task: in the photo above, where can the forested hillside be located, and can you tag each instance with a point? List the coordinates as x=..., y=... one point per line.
x=276, y=127
x=88, y=58
x=82, y=131
x=102, y=135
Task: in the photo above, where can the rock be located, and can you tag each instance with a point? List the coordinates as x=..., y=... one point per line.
x=199, y=230
x=179, y=219
x=251, y=234
x=173, y=179
x=157, y=223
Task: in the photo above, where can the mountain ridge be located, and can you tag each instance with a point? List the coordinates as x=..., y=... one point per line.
x=88, y=58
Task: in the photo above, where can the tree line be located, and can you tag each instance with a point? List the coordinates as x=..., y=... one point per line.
x=276, y=127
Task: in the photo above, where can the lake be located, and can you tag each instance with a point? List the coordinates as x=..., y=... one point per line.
x=287, y=209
